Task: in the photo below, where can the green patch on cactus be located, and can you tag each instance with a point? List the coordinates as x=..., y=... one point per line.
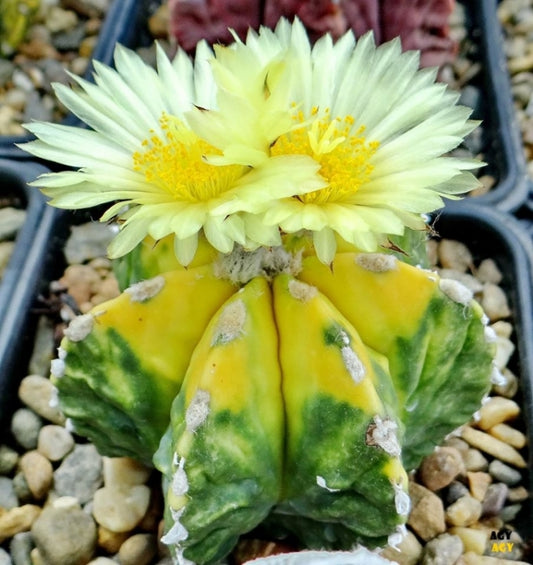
x=453, y=379
x=334, y=478
x=125, y=408
x=222, y=454
x=434, y=342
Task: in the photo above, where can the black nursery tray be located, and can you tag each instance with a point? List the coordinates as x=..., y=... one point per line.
x=120, y=26
x=490, y=233
x=21, y=278
x=501, y=140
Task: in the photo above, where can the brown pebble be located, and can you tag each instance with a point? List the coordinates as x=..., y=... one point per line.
x=427, y=512
x=478, y=483
x=441, y=467
x=111, y=541
x=18, y=519
x=38, y=472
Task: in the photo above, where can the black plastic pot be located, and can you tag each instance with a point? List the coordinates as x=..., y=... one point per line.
x=22, y=277
x=502, y=144
x=490, y=233
x=120, y=26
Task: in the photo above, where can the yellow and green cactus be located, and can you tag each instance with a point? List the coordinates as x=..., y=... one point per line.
x=303, y=393
x=15, y=19
x=293, y=379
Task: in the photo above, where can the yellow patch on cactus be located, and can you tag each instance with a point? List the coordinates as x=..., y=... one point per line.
x=177, y=314
x=381, y=303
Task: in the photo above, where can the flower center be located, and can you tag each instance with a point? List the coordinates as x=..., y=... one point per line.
x=176, y=163
x=344, y=157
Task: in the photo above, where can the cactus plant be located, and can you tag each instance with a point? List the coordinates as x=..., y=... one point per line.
x=269, y=351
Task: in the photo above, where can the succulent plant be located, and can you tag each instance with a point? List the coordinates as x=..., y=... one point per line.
x=300, y=389
x=269, y=352
x=15, y=18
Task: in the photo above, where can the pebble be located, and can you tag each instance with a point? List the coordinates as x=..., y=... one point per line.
x=493, y=446
x=442, y=550
x=441, y=467
x=124, y=472
x=495, y=499
x=8, y=459
x=474, y=460
x=494, y=302
x=20, y=548
x=465, y=511
x=5, y=559
x=455, y=255
x=427, y=512
x=139, y=549
x=503, y=473
x=408, y=551
x=120, y=509
x=478, y=483
x=11, y=220
x=21, y=487
x=65, y=535
x=8, y=496
x=55, y=442
x=474, y=539
x=497, y=410
x=37, y=392
x=38, y=472
x=80, y=473
x=16, y=520
x=25, y=427
x=44, y=343
x=509, y=435
x=88, y=241
x=111, y=541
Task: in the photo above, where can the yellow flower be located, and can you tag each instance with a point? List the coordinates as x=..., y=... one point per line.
x=261, y=137
x=378, y=128
x=143, y=157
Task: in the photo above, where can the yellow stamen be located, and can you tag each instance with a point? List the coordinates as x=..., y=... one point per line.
x=177, y=164
x=344, y=157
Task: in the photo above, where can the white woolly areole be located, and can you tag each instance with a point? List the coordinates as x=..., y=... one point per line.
x=177, y=532
x=302, y=291
x=80, y=327
x=54, y=398
x=456, y=291
x=396, y=538
x=321, y=482
x=377, y=262
x=69, y=425
x=57, y=368
x=241, y=266
x=198, y=410
x=230, y=323
x=144, y=290
x=490, y=335
x=180, y=482
x=382, y=433
x=61, y=353
x=497, y=377
x=353, y=364
x=402, y=502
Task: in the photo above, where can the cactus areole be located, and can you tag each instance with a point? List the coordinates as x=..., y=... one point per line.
x=268, y=354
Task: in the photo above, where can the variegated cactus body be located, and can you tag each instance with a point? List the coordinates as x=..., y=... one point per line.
x=303, y=392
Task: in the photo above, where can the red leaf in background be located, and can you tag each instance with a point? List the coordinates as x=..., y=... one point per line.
x=318, y=16
x=192, y=20
x=421, y=24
